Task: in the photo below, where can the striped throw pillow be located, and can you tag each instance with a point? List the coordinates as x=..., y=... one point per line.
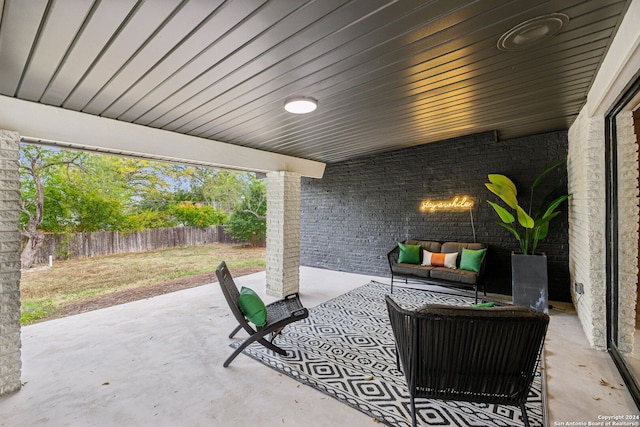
x=439, y=259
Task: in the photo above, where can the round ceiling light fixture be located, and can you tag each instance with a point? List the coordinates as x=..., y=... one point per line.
x=300, y=105
x=532, y=31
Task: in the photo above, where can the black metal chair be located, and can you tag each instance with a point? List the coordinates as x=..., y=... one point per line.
x=279, y=314
x=487, y=355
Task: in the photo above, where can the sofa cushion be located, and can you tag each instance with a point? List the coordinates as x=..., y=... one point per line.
x=471, y=259
x=409, y=254
x=426, y=245
x=439, y=259
x=412, y=270
x=461, y=276
x=502, y=311
x=449, y=247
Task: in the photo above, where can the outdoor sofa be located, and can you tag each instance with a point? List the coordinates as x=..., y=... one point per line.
x=449, y=264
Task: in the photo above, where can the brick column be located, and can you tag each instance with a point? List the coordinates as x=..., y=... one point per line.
x=283, y=233
x=10, y=362
x=628, y=215
x=586, y=171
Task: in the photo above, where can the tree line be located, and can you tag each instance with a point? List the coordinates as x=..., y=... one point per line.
x=65, y=191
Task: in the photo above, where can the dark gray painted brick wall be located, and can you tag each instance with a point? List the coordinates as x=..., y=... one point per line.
x=361, y=208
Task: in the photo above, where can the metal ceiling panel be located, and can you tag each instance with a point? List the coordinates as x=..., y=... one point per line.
x=228, y=56
x=192, y=58
x=62, y=22
x=142, y=22
x=96, y=32
x=186, y=19
x=257, y=57
x=332, y=55
x=387, y=74
x=19, y=27
x=267, y=73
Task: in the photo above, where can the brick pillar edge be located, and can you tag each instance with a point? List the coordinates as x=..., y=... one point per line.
x=10, y=357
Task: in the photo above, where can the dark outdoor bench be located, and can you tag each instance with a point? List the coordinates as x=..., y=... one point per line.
x=442, y=276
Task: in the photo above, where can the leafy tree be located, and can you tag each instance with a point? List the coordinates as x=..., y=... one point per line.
x=65, y=191
x=148, y=218
x=35, y=164
x=147, y=185
x=57, y=214
x=248, y=221
x=93, y=210
x=99, y=196
x=196, y=215
x=221, y=189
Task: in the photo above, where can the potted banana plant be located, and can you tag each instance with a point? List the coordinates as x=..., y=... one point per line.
x=528, y=267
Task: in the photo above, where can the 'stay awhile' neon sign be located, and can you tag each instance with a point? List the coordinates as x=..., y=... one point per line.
x=456, y=203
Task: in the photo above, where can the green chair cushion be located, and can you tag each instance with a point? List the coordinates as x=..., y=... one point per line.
x=252, y=307
x=484, y=304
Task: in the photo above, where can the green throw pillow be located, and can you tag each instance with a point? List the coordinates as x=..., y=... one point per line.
x=471, y=259
x=484, y=304
x=252, y=307
x=409, y=254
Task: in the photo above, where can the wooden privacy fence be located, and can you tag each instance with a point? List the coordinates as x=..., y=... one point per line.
x=79, y=245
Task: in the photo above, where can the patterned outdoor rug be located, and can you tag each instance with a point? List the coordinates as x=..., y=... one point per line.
x=345, y=349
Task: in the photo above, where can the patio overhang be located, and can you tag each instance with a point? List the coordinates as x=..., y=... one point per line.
x=40, y=123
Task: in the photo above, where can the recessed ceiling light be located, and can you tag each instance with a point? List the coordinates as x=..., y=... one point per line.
x=300, y=105
x=532, y=31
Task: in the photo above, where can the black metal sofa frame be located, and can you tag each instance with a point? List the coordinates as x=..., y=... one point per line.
x=441, y=276
x=485, y=355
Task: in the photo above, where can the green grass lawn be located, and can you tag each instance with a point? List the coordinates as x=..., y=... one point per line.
x=46, y=290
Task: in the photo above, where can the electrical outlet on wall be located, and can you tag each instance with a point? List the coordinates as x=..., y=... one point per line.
x=579, y=288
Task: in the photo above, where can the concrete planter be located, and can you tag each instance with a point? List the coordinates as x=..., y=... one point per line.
x=529, y=282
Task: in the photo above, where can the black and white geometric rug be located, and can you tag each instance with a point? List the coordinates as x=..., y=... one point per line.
x=345, y=349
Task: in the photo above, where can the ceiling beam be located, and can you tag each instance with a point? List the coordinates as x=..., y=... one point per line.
x=620, y=65
x=66, y=128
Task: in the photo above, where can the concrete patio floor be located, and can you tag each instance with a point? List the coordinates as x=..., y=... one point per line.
x=158, y=362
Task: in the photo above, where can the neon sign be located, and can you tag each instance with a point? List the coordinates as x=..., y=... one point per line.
x=463, y=202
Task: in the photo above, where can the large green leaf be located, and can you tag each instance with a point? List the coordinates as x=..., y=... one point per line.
x=543, y=174
x=513, y=231
x=504, y=214
x=524, y=219
x=545, y=220
x=502, y=181
x=504, y=188
x=555, y=204
x=541, y=232
x=505, y=194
